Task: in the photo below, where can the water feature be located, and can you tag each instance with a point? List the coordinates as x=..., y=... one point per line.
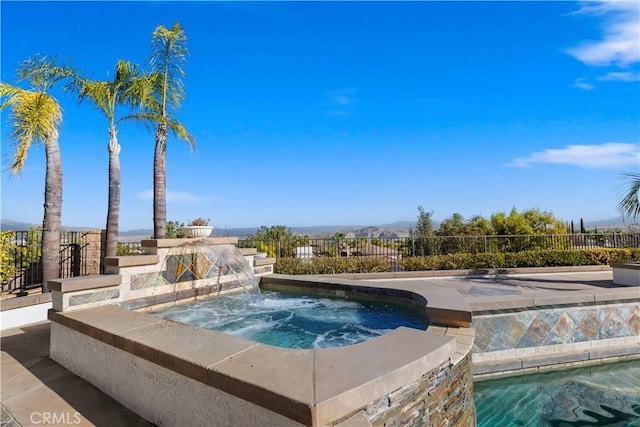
x=296, y=321
x=220, y=379
x=601, y=395
x=207, y=265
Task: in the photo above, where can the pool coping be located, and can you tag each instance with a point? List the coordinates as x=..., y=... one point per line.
x=331, y=384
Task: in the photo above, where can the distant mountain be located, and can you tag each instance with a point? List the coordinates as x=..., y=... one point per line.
x=317, y=231
x=604, y=224
x=7, y=224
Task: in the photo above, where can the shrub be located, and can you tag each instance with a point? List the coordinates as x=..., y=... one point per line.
x=537, y=258
x=326, y=265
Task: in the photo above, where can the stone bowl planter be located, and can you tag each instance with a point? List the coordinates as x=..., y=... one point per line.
x=197, y=230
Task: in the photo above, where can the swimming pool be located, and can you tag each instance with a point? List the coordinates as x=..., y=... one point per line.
x=601, y=395
x=292, y=320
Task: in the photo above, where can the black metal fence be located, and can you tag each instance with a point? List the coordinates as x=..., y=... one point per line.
x=21, y=259
x=437, y=245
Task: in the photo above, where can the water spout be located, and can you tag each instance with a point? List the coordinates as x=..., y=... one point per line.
x=217, y=267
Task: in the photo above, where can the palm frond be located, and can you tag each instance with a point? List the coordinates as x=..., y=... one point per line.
x=35, y=116
x=629, y=203
x=42, y=72
x=168, y=57
x=148, y=120
x=181, y=132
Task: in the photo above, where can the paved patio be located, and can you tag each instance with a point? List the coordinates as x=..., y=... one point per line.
x=38, y=391
x=35, y=390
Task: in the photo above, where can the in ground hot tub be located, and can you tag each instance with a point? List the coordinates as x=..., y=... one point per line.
x=176, y=374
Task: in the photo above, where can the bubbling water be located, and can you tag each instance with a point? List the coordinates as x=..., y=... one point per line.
x=295, y=321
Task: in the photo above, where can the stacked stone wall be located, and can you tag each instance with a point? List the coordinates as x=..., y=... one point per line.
x=442, y=397
x=93, y=244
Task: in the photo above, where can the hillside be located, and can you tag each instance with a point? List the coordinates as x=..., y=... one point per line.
x=391, y=230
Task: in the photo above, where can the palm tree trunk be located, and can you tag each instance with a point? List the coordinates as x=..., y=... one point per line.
x=113, y=210
x=52, y=212
x=160, y=184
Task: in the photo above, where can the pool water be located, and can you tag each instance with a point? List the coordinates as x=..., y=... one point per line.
x=601, y=395
x=295, y=321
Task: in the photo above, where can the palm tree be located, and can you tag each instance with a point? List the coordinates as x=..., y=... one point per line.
x=36, y=116
x=168, y=55
x=629, y=203
x=126, y=88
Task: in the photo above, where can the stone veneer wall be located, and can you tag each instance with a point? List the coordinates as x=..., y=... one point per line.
x=443, y=396
x=93, y=242
x=526, y=339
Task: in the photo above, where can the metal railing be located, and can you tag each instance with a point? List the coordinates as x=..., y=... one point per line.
x=21, y=263
x=438, y=245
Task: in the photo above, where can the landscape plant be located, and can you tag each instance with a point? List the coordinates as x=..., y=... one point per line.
x=168, y=57
x=629, y=203
x=127, y=88
x=36, y=116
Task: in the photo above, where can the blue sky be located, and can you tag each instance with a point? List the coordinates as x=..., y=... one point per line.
x=309, y=113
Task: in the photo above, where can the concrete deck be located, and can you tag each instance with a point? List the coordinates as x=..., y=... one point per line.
x=500, y=292
x=35, y=390
x=33, y=386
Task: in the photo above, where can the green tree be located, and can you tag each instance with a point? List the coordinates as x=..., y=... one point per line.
x=454, y=226
x=36, y=116
x=424, y=226
x=421, y=241
x=127, y=88
x=168, y=57
x=479, y=225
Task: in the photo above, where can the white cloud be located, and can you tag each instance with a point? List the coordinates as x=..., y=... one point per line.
x=620, y=43
x=581, y=84
x=603, y=156
x=626, y=76
x=172, y=196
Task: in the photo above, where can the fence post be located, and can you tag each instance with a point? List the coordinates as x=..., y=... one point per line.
x=91, y=251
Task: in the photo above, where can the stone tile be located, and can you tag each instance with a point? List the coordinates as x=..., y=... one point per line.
x=515, y=332
x=483, y=327
x=577, y=315
x=552, y=338
x=612, y=324
x=590, y=325
x=550, y=316
x=564, y=327
x=526, y=341
x=634, y=321
x=539, y=330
